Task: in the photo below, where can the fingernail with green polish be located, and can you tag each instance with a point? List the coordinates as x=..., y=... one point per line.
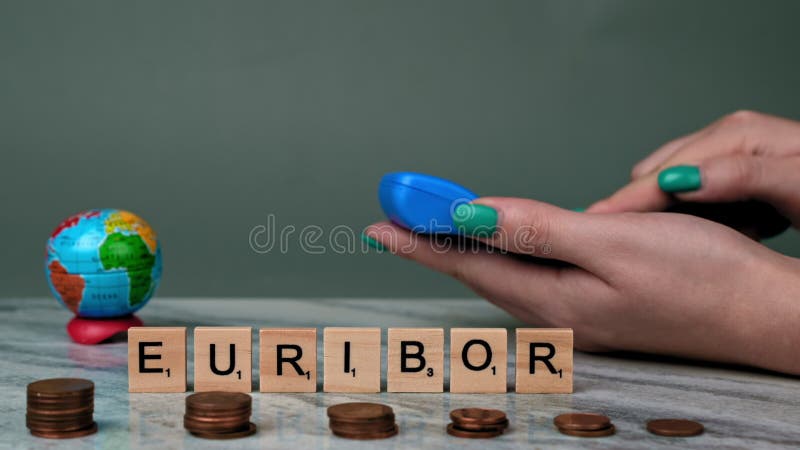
x=475, y=220
x=680, y=179
x=579, y=209
x=372, y=242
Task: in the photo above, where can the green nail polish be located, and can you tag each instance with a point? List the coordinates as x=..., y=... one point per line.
x=680, y=179
x=579, y=209
x=475, y=220
x=372, y=242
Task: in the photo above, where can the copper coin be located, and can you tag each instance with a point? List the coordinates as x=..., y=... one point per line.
x=360, y=412
x=66, y=434
x=390, y=418
x=58, y=428
x=52, y=395
x=66, y=406
x=582, y=421
x=368, y=436
x=603, y=432
x=500, y=426
x=675, y=427
x=219, y=401
x=216, y=427
x=49, y=420
x=61, y=412
x=211, y=415
x=87, y=418
x=242, y=417
x=477, y=415
x=368, y=427
x=453, y=430
x=60, y=387
x=249, y=431
x=61, y=401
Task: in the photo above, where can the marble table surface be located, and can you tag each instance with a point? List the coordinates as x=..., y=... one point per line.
x=740, y=408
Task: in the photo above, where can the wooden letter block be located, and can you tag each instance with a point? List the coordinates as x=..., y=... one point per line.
x=288, y=361
x=352, y=359
x=544, y=360
x=223, y=359
x=157, y=359
x=478, y=360
x=415, y=360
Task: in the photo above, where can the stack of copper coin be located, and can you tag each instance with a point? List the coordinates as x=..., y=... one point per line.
x=477, y=423
x=219, y=415
x=61, y=408
x=362, y=421
x=584, y=425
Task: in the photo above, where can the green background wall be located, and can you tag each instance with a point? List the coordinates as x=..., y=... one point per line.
x=205, y=117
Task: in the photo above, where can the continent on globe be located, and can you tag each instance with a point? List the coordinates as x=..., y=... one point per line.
x=129, y=252
x=70, y=287
x=71, y=221
x=126, y=221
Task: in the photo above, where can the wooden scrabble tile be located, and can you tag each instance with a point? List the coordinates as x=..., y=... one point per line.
x=288, y=359
x=478, y=360
x=223, y=359
x=352, y=359
x=415, y=360
x=544, y=361
x=157, y=359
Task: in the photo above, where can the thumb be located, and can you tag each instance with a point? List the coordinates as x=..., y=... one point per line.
x=740, y=177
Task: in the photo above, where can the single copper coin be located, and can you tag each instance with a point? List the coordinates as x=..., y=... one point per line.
x=675, y=427
x=368, y=427
x=477, y=415
x=58, y=419
x=34, y=421
x=249, y=431
x=360, y=412
x=603, y=432
x=219, y=401
x=368, y=436
x=88, y=409
x=216, y=427
x=195, y=412
x=61, y=406
x=453, y=430
x=60, y=400
x=60, y=387
x=66, y=434
x=582, y=421
x=479, y=427
x=243, y=417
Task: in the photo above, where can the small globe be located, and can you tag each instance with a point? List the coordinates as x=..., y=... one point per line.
x=103, y=263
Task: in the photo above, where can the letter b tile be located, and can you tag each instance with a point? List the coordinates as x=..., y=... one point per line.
x=415, y=361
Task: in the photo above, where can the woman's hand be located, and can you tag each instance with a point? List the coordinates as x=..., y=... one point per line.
x=745, y=155
x=660, y=283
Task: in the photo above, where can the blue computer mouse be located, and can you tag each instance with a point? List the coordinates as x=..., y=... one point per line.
x=422, y=203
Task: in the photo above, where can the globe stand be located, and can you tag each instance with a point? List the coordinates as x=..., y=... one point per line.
x=95, y=331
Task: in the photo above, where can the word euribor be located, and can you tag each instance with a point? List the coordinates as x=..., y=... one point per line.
x=287, y=358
